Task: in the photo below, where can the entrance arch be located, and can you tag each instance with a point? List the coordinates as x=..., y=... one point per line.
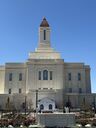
x=46, y=104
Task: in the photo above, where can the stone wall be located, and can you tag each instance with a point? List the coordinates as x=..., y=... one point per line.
x=56, y=119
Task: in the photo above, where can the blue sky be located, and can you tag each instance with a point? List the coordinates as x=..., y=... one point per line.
x=73, y=24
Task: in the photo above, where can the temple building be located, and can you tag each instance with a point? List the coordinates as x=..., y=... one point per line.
x=45, y=80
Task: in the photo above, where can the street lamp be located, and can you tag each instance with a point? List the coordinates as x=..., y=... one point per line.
x=25, y=104
x=36, y=101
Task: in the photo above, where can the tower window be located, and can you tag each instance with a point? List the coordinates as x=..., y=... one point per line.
x=20, y=76
x=39, y=75
x=10, y=76
x=44, y=34
x=9, y=90
x=51, y=75
x=69, y=76
x=45, y=75
x=79, y=76
x=20, y=90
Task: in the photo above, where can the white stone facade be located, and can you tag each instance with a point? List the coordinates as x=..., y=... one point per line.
x=46, y=72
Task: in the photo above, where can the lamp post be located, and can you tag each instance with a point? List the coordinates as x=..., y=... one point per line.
x=63, y=102
x=1, y=118
x=36, y=101
x=25, y=104
x=36, y=105
x=94, y=105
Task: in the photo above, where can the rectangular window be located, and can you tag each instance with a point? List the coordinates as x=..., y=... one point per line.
x=45, y=88
x=10, y=76
x=39, y=77
x=80, y=90
x=79, y=76
x=69, y=76
x=20, y=76
x=10, y=91
x=70, y=90
x=20, y=90
x=51, y=75
x=44, y=34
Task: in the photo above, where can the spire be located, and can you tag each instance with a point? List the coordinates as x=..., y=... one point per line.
x=44, y=23
x=44, y=49
x=44, y=34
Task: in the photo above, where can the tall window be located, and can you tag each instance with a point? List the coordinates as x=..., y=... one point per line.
x=79, y=76
x=51, y=75
x=50, y=106
x=44, y=34
x=45, y=75
x=20, y=90
x=41, y=107
x=70, y=90
x=10, y=76
x=39, y=75
x=10, y=91
x=20, y=76
x=69, y=76
x=80, y=90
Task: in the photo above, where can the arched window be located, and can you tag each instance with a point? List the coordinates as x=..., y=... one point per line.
x=50, y=106
x=41, y=107
x=45, y=75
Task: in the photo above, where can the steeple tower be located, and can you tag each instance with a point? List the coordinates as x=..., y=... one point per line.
x=44, y=50
x=44, y=34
